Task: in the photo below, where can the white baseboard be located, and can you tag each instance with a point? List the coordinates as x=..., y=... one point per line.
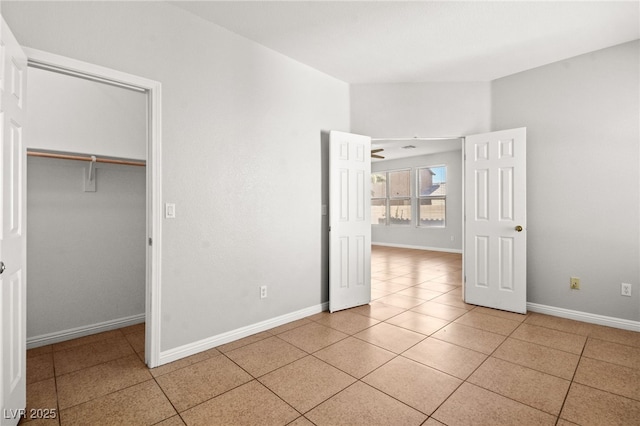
x=73, y=333
x=220, y=339
x=585, y=317
x=407, y=246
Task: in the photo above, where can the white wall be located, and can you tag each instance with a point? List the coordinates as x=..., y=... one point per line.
x=583, y=185
x=420, y=109
x=81, y=116
x=241, y=156
x=448, y=238
x=85, y=250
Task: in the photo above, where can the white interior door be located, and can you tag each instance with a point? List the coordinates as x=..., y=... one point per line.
x=349, y=220
x=13, y=85
x=496, y=220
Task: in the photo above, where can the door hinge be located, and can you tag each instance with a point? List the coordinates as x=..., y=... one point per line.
x=150, y=241
x=329, y=228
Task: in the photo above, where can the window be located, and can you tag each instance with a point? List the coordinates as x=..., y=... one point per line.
x=432, y=194
x=391, y=198
x=379, y=198
x=400, y=197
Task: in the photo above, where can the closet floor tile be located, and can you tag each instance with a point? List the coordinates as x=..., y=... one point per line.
x=89, y=383
x=94, y=353
x=143, y=403
x=40, y=367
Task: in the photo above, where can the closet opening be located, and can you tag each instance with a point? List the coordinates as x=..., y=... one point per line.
x=92, y=204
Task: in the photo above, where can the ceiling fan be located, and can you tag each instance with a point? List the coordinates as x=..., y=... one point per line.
x=375, y=151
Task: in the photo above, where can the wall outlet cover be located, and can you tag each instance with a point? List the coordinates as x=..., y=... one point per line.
x=625, y=289
x=574, y=283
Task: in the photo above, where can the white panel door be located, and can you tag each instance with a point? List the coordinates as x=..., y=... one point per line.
x=349, y=220
x=495, y=249
x=13, y=85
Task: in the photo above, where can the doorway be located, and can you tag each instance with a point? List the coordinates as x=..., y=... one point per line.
x=150, y=236
x=494, y=200
x=417, y=212
x=421, y=212
x=493, y=205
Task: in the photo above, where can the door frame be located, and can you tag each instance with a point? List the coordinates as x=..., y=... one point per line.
x=153, y=90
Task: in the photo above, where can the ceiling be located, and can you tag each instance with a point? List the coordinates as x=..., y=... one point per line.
x=363, y=42
x=402, y=148
x=369, y=42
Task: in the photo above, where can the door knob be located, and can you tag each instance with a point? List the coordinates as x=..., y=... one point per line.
x=519, y=228
x=2, y=267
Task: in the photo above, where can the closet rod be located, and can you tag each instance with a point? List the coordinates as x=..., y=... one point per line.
x=81, y=158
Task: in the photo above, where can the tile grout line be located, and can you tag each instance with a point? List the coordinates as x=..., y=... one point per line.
x=489, y=390
x=470, y=374
x=253, y=378
x=397, y=355
x=91, y=366
x=168, y=399
x=521, y=323
x=564, y=401
x=55, y=381
x=356, y=378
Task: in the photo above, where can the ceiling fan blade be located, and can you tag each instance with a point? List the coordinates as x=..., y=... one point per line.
x=377, y=156
x=373, y=151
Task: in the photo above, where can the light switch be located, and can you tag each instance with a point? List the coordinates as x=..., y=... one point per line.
x=170, y=211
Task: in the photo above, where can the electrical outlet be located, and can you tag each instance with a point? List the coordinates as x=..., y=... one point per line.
x=263, y=292
x=574, y=283
x=625, y=289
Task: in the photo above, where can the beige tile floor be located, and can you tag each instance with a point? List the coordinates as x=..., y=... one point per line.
x=417, y=355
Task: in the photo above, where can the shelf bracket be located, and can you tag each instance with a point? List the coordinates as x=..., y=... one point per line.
x=90, y=178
